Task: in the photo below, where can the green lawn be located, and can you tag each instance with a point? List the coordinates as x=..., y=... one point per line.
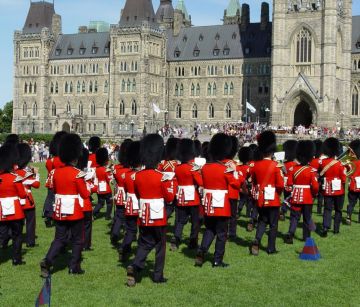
x=277, y=280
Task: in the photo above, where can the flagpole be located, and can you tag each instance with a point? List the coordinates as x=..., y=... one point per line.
x=246, y=111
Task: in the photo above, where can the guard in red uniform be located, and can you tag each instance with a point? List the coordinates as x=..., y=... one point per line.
x=153, y=189
x=304, y=185
x=51, y=164
x=244, y=169
x=69, y=188
x=94, y=145
x=268, y=181
x=11, y=191
x=218, y=179
x=31, y=180
x=334, y=179
x=120, y=171
x=289, y=147
x=104, y=177
x=132, y=204
x=315, y=164
x=354, y=184
x=189, y=180
x=168, y=166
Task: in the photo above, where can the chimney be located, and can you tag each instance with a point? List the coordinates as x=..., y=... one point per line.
x=83, y=29
x=245, y=16
x=264, y=15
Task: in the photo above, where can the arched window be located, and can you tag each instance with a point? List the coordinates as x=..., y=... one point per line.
x=30, y=88
x=56, y=88
x=66, y=87
x=355, y=102
x=78, y=87
x=178, y=111
x=68, y=107
x=134, y=85
x=83, y=87
x=198, y=89
x=209, y=89
x=303, y=46
x=122, y=107
x=106, y=86
x=90, y=87
x=34, y=109
x=192, y=89
x=81, y=109
x=355, y=65
x=123, y=86
x=194, y=111
x=51, y=88
x=107, y=109
x=211, y=113
x=95, y=86
x=181, y=90
x=228, y=111
x=176, y=89
x=35, y=88
x=226, y=88
x=231, y=92
x=214, y=89
x=53, y=109
x=24, y=109
x=71, y=87
x=93, y=109
x=128, y=88
x=133, y=108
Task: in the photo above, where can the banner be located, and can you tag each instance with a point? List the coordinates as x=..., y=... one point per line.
x=250, y=107
x=156, y=109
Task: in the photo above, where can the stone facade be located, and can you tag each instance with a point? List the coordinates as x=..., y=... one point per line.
x=304, y=67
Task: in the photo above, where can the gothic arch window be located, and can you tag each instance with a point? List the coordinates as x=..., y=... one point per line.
x=78, y=87
x=122, y=108
x=52, y=88
x=56, y=88
x=93, y=109
x=214, y=89
x=123, y=86
x=231, y=89
x=106, y=87
x=303, y=42
x=83, y=87
x=228, y=111
x=71, y=87
x=178, y=111
x=81, y=109
x=68, y=107
x=128, y=87
x=355, y=102
x=95, y=86
x=30, y=88
x=133, y=108
x=226, y=89
x=211, y=111
x=198, y=89
x=53, y=109
x=90, y=87
x=35, y=88
x=181, y=90
x=192, y=93
x=107, y=109
x=134, y=85
x=194, y=111
x=176, y=89
x=24, y=109
x=355, y=65
x=66, y=87
x=209, y=90
x=34, y=109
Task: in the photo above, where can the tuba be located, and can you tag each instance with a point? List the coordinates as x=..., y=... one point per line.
x=347, y=159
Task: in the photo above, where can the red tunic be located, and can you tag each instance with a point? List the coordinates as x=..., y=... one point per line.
x=92, y=161
x=153, y=189
x=168, y=166
x=104, y=177
x=189, y=180
x=11, y=191
x=334, y=177
x=132, y=204
x=234, y=193
x=268, y=182
x=30, y=181
x=354, y=184
x=69, y=186
x=288, y=168
x=119, y=176
x=51, y=165
x=86, y=203
x=217, y=182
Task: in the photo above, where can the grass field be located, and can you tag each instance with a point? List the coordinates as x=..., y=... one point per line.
x=276, y=280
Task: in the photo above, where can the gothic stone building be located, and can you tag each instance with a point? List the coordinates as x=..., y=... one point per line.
x=301, y=68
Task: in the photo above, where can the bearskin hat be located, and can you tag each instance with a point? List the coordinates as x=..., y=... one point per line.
x=197, y=145
x=70, y=148
x=8, y=157
x=244, y=154
x=355, y=147
x=133, y=154
x=151, y=150
x=318, y=148
x=12, y=139
x=25, y=155
x=290, y=147
x=186, y=150
x=332, y=147
x=255, y=154
x=94, y=144
x=234, y=146
x=305, y=152
x=102, y=156
x=123, y=155
x=83, y=160
x=55, y=142
x=267, y=143
x=205, y=150
x=170, y=149
x=220, y=147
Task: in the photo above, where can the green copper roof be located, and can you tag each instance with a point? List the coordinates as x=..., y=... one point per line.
x=232, y=8
x=181, y=6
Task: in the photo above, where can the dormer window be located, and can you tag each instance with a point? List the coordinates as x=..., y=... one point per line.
x=106, y=50
x=201, y=38
x=226, y=51
x=177, y=53
x=234, y=35
x=82, y=51
x=70, y=51
x=57, y=51
x=185, y=39
x=196, y=53
x=216, y=51
x=247, y=50
x=358, y=45
x=217, y=36
x=94, y=50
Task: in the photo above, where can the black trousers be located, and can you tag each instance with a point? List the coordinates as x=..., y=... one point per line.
x=130, y=232
x=233, y=218
x=244, y=201
x=119, y=222
x=150, y=238
x=306, y=211
x=254, y=213
x=330, y=203
x=102, y=199
x=87, y=229
x=170, y=207
x=181, y=218
x=320, y=203
x=353, y=198
x=30, y=219
x=268, y=216
x=48, y=204
x=15, y=228
x=215, y=226
x=63, y=228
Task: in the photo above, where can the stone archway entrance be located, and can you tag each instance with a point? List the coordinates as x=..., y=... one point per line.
x=66, y=127
x=303, y=114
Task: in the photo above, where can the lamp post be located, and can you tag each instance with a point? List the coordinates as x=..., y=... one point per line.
x=132, y=128
x=33, y=126
x=341, y=133
x=166, y=114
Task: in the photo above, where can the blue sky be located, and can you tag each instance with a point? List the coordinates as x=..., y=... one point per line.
x=80, y=12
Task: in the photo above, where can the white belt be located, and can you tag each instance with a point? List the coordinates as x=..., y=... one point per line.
x=206, y=191
x=298, y=186
x=9, y=198
x=60, y=196
x=185, y=186
x=155, y=201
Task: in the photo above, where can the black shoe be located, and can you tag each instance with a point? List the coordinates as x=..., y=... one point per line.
x=324, y=233
x=18, y=262
x=174, y=244
x=161, y=280
x=130, y=276
x=114, y=241
x=220, y=264
x=271, y=252
x=48, y=223
x=199, y=259
x=289, y=239
x=193, y=244
x=30, y=245
x=254, y=249
x=44, y=268
x=76, y=271
x=336, y=232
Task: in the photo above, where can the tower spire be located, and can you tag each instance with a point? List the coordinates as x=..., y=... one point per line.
x=137, y=11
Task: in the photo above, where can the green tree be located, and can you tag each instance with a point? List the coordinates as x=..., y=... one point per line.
x=6, y=116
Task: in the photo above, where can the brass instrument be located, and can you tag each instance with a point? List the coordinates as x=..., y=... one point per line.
x=349, y=164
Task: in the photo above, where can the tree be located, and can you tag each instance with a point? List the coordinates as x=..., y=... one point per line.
x=6, y=116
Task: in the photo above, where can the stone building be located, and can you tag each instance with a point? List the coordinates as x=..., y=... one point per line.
x=301, y=68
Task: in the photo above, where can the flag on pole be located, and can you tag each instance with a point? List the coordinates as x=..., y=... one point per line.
x=44, y=297
x=156, y=109
x=250, y=107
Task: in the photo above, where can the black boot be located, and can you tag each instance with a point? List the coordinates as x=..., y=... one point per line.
x=174, y=244
x=254, y=248
x=199, y=259
x=289, y=239
x=193, y=244
x=44, y=268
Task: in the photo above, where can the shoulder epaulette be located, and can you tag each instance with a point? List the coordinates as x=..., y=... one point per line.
x=18, y=178
x=195, y=167
x=168, y=176
x=28, y=174
x=133, y=176
x=81, y=174
x=252, y=164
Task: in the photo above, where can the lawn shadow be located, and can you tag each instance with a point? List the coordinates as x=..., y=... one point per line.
x=62, y=261
x=6, y=254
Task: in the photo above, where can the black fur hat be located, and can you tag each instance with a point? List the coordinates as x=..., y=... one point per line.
x=255, y=154
x=267, y=143
x=25, y=155
x=205, y=150
x=197, y=145
x=83, y=160
x=55, y=142
x=290, y=147
x=305, y=152
x=220, y=147
x=12, y=139
x=133, y=154
x=244, y=155
x=318, y=148
x=171, y=148
x=70, y=148
x=151, y=150
x=123, y=155
x=102, y=156
x=234, y=147
x=94, y=144
x=8, y=157
x=332, y=147
x=186, y=150
x=355, y=147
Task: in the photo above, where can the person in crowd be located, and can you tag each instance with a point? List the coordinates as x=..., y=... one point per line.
x=315, y=164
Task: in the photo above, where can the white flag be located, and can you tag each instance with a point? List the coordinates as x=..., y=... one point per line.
x=250, y=107
x=156, y=109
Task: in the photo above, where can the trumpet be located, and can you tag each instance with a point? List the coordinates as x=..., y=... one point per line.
x=350, y=156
